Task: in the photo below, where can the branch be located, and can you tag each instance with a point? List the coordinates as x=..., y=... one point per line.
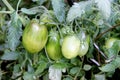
x=101, y=34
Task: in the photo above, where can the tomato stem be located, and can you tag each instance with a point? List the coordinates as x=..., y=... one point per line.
x=60, y=32
x=18, y=5
x=47, y=56
x=35, y=58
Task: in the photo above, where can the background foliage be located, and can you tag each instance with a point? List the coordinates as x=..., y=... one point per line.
x=99, y=18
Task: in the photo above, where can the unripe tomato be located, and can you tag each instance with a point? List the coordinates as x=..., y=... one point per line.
x=70, y=46
x=34, y=37
x=109, y=42
x=48, y=18
x=84, y=43
x=84, y=46
x=53, y=47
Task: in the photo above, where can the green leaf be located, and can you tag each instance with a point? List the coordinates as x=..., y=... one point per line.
x=59, y=9
x=74, y=70
x=28, y=76
x=100, y=77
x=28, y=11
x=117, y=61
x=107, y=68
x=74, y=12
x=43, y=58
x=14, y=32
x=30, y=68
x=110, y=67
x=75, y=61
x=104, y=6
x=87, y=67
x=16, y=71
x=10, y=55
x=114, y=50
x=33, y=10
x=77, y=10
x=42, y=66
x=16, y=68
x=60, y=65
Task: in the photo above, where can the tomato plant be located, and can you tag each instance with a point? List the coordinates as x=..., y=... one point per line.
x=79, y=41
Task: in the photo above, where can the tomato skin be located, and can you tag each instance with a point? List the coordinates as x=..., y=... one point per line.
x=48, y=18
x=70, y=46
x=109, y=42
x=53, y=47
x=34, y=37
x=84, y=44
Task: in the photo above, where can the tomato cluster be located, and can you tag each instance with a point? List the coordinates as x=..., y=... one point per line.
x=39, y=34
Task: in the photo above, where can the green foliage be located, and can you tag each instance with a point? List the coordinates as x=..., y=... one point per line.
x=32, y=11
x=110, y=67
x=74, y=70
x=59, y=9
x=100, y=77
x=40, y=68
x=14, y=32
x=10, y=55
x=87, y=67
x=28, y=76
x=99, y=19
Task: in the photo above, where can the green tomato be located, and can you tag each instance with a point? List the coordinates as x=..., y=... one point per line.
x=109, y=42
x=53, y=47
x=70, y=46
x=34, y=37
x=84, y=44
x=48, y=18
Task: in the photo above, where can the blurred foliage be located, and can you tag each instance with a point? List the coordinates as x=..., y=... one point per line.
x=99, y=19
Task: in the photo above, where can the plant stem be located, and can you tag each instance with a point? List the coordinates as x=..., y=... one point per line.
x=5, y=12
x=60, y=32
x=18, y=5
x=8, y=5
x=47, y=56
x=75, y=78
x=101, y=34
